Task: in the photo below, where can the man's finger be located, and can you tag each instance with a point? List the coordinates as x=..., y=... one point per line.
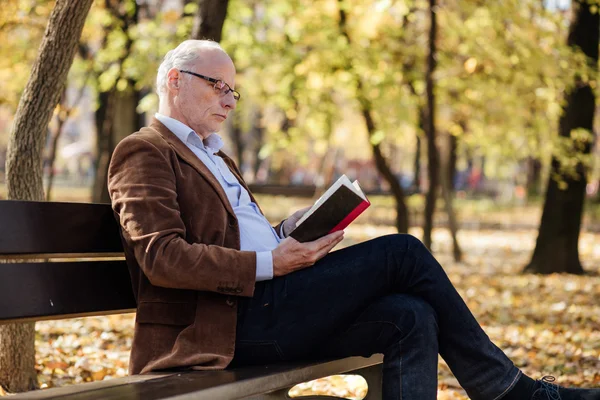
x=330, y=245
x=330, y=237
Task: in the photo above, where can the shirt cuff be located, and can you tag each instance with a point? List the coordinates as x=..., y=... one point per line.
x=264, y=266
x=281, y=234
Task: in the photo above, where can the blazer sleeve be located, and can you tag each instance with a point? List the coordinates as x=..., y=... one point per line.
x=142, y=187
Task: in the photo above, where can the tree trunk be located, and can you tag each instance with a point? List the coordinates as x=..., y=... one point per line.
x=61, y=119
x=237, y=138
x=385, y=170
x=54, y=136
x=258, y=135
x=116, y=118
x=208, y=23
x=452, y=160
x=52, y=156
x=556, y=249
x=534, y=172
x=17, y=357
x=446, y=181
x=104, y=145
x=432, y=153
x=417, y=162
x=380, y=162
x=23, y=164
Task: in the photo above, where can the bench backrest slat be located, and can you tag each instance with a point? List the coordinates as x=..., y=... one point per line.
x=31, y=227
x=52, y=290
x=45, y=286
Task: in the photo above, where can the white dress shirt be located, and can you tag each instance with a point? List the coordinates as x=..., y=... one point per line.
x=256, y=233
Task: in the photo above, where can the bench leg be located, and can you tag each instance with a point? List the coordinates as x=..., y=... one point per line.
x=374, y=377
x=372, y=374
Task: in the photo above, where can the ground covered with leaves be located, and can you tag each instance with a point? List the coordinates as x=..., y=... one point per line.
x=549, y=325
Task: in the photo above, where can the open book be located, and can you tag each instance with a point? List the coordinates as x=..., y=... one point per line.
x=333, y=211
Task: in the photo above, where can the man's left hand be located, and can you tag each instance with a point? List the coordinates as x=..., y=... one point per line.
x=290, y=223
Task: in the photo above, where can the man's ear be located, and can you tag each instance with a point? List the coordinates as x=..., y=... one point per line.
x=173, y=80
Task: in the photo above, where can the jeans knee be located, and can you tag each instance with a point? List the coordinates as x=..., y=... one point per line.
x=405, y=241
x=414, y=318
x=426, y=323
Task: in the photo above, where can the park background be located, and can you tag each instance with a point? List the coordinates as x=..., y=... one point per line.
x=470, y=124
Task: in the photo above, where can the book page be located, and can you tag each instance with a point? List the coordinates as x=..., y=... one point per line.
x=356, y=188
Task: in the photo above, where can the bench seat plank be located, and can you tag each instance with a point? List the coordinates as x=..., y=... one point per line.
x=53, y=290
x=214, y=385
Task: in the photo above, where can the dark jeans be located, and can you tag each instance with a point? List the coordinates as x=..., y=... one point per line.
x=388, y=295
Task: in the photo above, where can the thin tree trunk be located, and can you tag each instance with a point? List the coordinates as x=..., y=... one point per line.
x=104, y=145
x=432, y=153
x=452, y=160
x=556, y=248
x=417, y=162
x=380, y=160
x=237, y=138
x=448, y=195
x=258, y=133
x=534, y=173
x=208, y=23
x=23, y=164
x=61, y=118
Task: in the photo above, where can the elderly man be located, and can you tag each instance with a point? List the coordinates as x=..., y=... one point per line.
x=218, y=286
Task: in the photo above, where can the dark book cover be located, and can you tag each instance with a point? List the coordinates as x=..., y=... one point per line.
x=335, y=214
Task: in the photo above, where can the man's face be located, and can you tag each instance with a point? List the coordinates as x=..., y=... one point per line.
x=196, y=102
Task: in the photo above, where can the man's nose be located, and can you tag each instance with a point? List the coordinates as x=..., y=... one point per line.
x=228, y=101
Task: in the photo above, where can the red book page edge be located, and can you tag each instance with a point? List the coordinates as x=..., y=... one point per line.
x=351, y=216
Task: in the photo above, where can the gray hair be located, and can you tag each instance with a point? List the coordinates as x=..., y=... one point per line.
x=181, y=57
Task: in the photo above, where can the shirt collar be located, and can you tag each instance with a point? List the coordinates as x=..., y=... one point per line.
x=213, y=143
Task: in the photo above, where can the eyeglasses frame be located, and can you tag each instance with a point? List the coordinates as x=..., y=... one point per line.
x=236, y=94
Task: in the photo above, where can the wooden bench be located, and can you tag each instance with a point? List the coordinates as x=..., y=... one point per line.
x=65, y=260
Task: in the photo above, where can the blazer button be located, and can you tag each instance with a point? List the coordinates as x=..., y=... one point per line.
x=230, y=302
x=231, y=222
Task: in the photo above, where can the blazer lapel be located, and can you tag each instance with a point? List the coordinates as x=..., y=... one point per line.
x=189, y=157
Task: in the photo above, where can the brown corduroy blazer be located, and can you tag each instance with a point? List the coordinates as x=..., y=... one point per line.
x=182, y=241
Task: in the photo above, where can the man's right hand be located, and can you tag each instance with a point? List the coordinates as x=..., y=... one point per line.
x=292, y=255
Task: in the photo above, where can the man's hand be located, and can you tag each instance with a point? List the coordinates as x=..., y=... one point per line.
x=292, y=255
x=290, y=223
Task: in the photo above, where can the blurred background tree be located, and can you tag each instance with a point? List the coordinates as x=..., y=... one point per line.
x=362, y=88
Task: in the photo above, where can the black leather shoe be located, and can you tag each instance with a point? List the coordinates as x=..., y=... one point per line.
x=545, y=389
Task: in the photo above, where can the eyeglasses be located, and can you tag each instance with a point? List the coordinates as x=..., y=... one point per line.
x=220, y=87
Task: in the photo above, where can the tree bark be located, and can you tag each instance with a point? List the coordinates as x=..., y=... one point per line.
x=61, y=119
x=237, y=138
x=258, y=135
x=380, y=161
x=23, y=164
x=446, y=180
x=432, y=153
x=208, y=23
x=417, y=163
x=116, y=118
x=452, y=160
x=534, y=172
x=556, y=248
